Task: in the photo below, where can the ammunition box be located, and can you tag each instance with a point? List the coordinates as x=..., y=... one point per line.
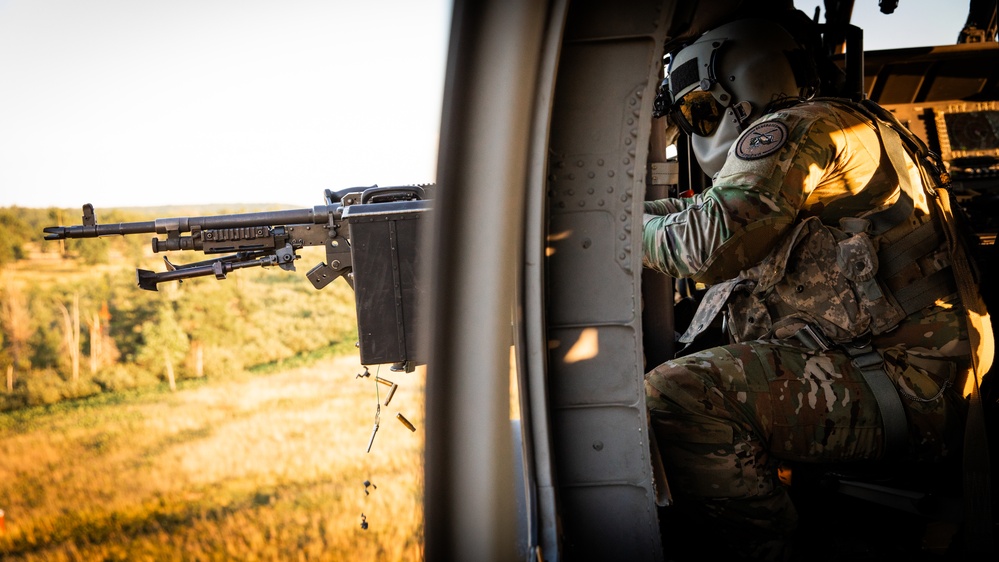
x=384, y=244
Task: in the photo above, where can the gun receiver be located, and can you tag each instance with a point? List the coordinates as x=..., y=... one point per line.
x=369, y=237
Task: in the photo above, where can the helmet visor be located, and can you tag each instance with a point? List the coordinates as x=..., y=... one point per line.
x=697, y=113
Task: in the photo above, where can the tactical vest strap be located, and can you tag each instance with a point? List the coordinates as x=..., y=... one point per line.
x=925, y=291
x=883, y=221
x=894, y=257
x=893, y=419
x=979, y=531
x=871, y=364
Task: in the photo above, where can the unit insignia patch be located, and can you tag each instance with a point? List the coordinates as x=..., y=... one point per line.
x=761, y=140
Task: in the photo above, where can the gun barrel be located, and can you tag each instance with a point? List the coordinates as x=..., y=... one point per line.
x=319, y=214
x=93, y=231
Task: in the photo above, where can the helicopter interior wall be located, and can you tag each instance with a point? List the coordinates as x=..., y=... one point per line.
x=597, y=154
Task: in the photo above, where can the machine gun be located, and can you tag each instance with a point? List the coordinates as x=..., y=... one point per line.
x=371, y=239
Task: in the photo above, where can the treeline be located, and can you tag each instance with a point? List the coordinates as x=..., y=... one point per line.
x=73, y=323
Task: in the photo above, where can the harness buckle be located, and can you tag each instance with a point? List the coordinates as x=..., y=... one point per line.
x=813, y=338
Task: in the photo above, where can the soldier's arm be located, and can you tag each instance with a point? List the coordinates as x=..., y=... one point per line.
x=667, y=206
x=736, y=222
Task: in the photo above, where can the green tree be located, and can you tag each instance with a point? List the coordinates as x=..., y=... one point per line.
x=14, y=232
x=91, y=251
x=166, y=344
x=15, y=323
x=131, y=309
x=213, y=314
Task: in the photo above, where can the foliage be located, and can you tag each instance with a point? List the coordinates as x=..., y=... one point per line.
x=15, y=318
x=90, y=252
x=166, y=343
x=13, y=234
x=119, y=378
x=47, y=387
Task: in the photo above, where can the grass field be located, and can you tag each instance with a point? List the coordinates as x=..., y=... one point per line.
x=252, y=467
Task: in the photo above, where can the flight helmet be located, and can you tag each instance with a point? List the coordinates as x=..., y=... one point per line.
x=729, y=77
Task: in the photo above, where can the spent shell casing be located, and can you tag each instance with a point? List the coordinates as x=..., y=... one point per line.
x=405, y=422
x=391, y=393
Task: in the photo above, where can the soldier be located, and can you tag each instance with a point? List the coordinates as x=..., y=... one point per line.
x=829, y=251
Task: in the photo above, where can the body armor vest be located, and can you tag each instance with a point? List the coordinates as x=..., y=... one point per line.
x=841, y=285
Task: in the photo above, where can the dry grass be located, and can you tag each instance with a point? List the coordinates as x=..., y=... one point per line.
x=259, y=468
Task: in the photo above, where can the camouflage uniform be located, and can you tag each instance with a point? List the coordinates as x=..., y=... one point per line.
x=724, y=417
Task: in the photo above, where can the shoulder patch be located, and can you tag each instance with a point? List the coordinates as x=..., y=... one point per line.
x=762, y=139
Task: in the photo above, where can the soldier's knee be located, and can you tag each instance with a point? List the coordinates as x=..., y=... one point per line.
x=675, y=387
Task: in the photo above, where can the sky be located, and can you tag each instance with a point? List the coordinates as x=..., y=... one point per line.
x=914, y=23
x=153, y=102
x=124, y=103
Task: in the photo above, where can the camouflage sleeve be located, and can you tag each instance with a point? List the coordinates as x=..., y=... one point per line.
x=666, y=206
x=753, y=200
